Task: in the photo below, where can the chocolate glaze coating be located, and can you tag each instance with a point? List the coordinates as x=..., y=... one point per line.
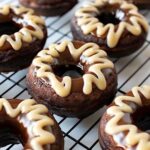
x=20, y=130
x=106, y=141
x=77, y=104
x=126, y=46
x=12, y=60
x=49, y=7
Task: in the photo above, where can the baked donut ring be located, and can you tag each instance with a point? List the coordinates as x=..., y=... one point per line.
x=125, y=125
x=49, y=7
x=22, y=36
x=72, y=76
x=32, y=123
x=116, y=26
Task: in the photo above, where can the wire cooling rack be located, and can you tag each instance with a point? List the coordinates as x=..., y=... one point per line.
x=80, y=134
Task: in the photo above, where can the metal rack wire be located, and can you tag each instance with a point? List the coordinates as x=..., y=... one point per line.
x=80, y=134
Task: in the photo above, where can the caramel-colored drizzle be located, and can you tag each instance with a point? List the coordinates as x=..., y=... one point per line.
x=133, y=136
x=35, y=113
x=90, y=24
x=89, y=53
x=24, y=34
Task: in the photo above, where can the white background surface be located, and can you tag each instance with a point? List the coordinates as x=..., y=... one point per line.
x=81, y=134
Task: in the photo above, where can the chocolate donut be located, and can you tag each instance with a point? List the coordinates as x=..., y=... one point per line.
x=31, y=123
x=125, y=125
x=49, y=7
x=72, y=78
x=22, y=36
x=116, y=26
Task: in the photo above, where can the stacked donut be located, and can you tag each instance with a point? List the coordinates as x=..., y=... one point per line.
x=74, y=78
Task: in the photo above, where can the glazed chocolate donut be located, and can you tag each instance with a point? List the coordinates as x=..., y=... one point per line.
x=32, y=123
x=72, y=78
x=22, y=36
x=125, y=125
x=116, y=26
x=49, y=7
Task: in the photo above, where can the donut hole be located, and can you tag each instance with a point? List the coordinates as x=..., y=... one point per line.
x=71, y=70
x=9, y=28
x=114, y=16
x=12, y=132
x=141, y=118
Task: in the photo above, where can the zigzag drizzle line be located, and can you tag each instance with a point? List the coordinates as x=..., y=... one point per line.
x=34, y=113
x=90, y=51
x=133, y=137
